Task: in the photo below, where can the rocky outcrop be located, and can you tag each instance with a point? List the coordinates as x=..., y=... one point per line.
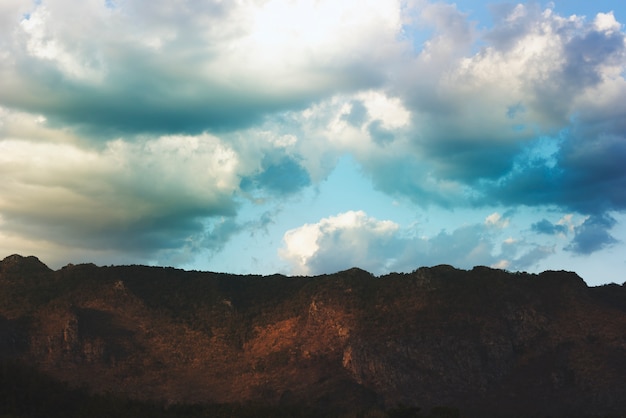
x=486, y=341
x=24, y=268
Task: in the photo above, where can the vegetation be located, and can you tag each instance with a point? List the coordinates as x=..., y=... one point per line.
x=338, y=345
x=28, y=393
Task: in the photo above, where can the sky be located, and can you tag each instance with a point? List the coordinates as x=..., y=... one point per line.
x=306, y=137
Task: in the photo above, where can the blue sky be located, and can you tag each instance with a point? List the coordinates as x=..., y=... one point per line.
x=307, y=137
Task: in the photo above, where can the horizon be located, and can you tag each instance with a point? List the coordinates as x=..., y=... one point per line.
x=338, y=272
x=309, y=137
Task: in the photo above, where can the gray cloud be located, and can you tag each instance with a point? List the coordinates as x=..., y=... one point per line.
x=407, y=176
x=282, y=176
x=593, y=235
x=137, y=197
x=143, y=97
x=482, y=121
x=544, y=226
x=507, y=31
x=585, y=175
x=106, y=109
x=379, y=133
x=196, y=67
x=531, y=258
x=358, y=113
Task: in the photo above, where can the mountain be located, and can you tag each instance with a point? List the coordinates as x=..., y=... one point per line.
x=482, y=342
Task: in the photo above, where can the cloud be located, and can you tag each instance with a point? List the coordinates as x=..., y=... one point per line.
x=496, y=220
x=529, y=259
x=379, y=134
x=354, y=239
x=143, y=129
x=209, y=239
x=546, y=227
x=533, y=117
x=283, y=176
x=140, y=197
x=200, y=66
x=338, y=242
x=585, y=175
x=357, y=113
x=592, y=235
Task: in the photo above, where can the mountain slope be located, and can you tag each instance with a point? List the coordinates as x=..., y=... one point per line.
x=486, y=341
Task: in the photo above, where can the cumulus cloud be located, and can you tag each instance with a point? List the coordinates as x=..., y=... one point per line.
x=112, y=67
x=355, y=239
x=338, y=242
x=123, y=97
x=143, y=129
x=532, y=118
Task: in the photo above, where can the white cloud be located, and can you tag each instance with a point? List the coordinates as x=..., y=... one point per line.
x=42, y=45
x=606, y=22
x=389, y=110
x=338, y=242
x=121, y=117
x=194, y=66
x=301, y=244
x=380, y=246
x=568, y=222
x=501, y=264
x=286, y=33
x=16, y=125
x=496, y=220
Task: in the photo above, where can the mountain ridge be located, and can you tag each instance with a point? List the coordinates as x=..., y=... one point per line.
x=483, y=340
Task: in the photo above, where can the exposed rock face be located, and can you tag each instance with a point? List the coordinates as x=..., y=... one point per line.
x=486, y=341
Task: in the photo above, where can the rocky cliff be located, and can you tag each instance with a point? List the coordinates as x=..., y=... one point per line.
x=486, y=341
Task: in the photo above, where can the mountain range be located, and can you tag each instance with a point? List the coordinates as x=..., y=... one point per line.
x=471, y=343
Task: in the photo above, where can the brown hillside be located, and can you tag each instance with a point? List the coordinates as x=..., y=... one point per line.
x=488, y=342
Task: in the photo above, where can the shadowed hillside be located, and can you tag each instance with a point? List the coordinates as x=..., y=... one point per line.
x=487, y=342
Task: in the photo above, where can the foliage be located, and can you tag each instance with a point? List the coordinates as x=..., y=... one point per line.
x=27, y=393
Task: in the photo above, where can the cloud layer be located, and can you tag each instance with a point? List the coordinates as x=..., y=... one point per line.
x=379, y=246
x=144, y=130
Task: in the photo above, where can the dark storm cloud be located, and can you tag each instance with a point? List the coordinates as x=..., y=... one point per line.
x=586, y=175
x=594, y=174
x=593, y=235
